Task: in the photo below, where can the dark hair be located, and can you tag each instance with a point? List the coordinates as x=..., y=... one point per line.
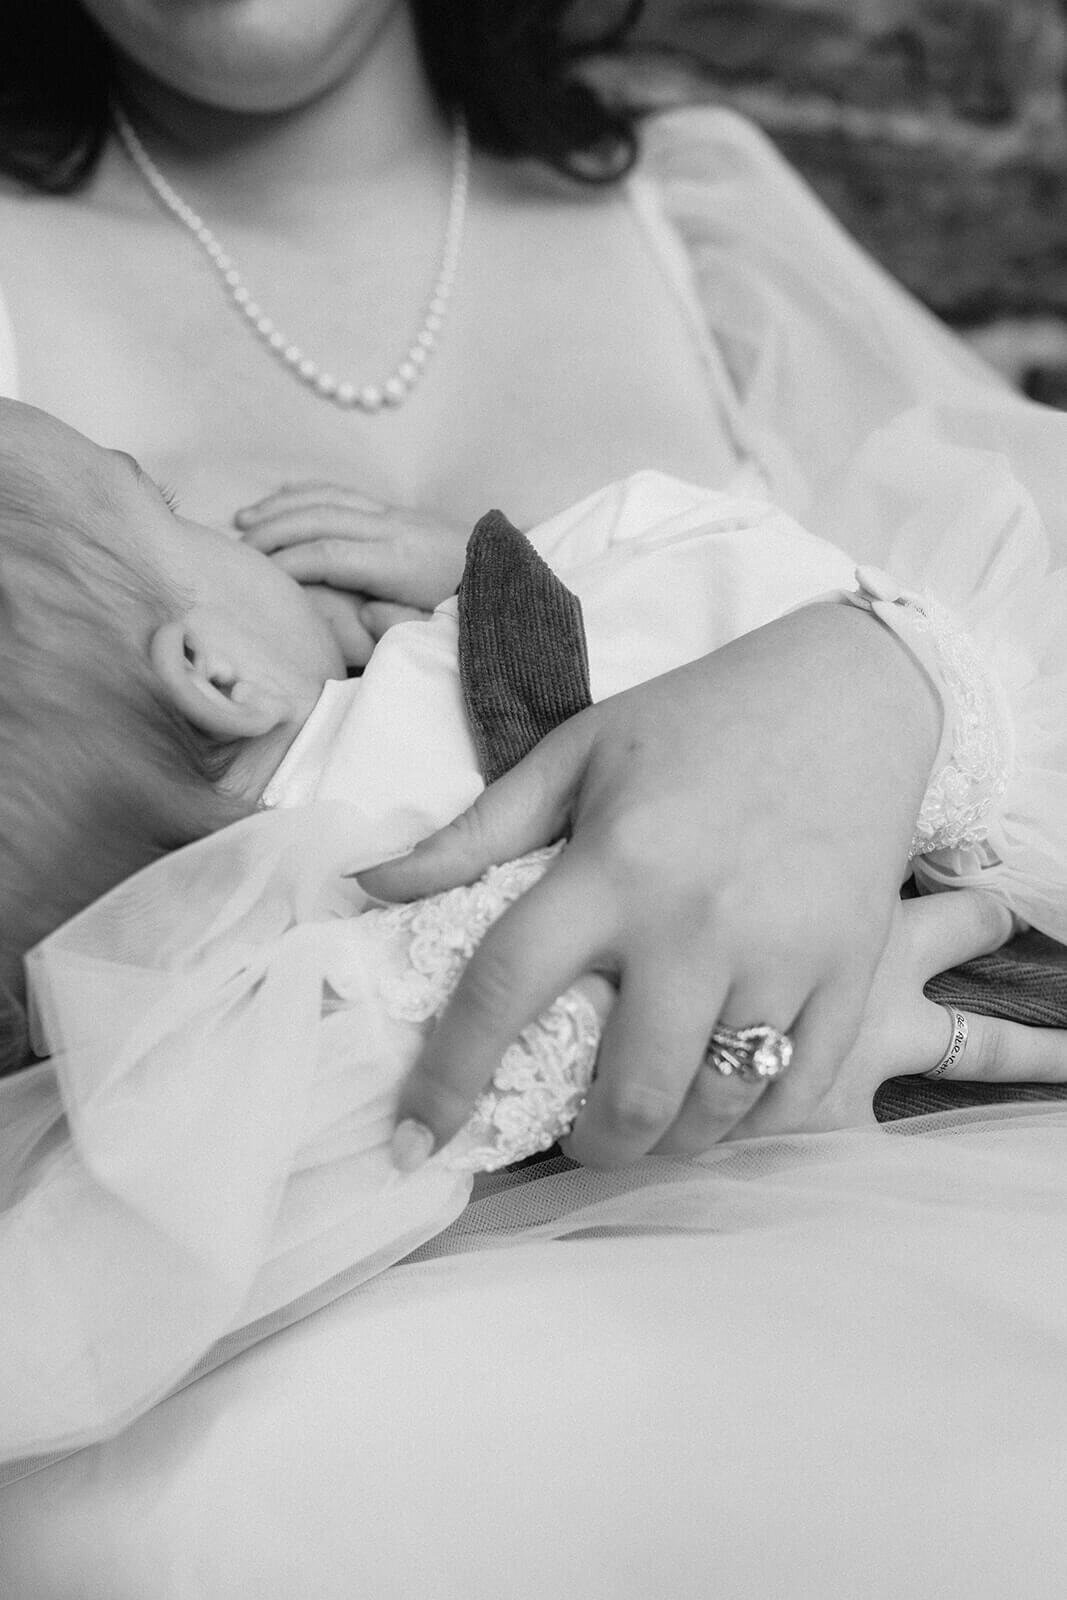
x=509, y=65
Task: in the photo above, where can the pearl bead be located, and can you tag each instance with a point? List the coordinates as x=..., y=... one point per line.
x=371, y=397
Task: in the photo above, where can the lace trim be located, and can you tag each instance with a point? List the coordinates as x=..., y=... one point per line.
x=974, y=761
x=537, y=1091
x=541, y=1083
x=961, y=796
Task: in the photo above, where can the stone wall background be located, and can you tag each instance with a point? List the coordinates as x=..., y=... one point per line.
x=936, y=129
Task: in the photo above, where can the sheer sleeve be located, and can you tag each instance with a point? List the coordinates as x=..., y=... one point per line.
x=884, y=434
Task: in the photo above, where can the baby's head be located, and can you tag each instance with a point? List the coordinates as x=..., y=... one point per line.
x=152, y=674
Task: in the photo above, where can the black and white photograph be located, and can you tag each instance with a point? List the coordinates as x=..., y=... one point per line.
x=533, y=799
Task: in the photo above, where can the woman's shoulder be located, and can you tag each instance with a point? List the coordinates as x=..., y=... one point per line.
x=705, y=144
x=730, y=197
x=722, y=181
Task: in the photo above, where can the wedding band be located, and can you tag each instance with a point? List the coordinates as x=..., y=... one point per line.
x=756, y=1055
x=957, y=1046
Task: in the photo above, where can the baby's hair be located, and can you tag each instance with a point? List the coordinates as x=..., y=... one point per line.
x=99, y=774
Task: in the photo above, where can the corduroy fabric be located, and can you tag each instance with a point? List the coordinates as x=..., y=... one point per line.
x=522, y=655
x=524, y=669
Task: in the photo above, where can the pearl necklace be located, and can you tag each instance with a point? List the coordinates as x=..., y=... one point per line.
x=370, y=397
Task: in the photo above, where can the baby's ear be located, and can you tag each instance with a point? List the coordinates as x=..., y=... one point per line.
x=207, y=686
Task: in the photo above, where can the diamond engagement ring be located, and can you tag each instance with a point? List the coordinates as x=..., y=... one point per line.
x=756, y=1055
x=957, y=1045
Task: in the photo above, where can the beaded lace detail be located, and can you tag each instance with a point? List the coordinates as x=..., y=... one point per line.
x=962, y=793
x=541, y=1083
x=975, y=759
x=537, y=1091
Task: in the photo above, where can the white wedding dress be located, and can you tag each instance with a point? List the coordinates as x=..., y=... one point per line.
x=814, y=1366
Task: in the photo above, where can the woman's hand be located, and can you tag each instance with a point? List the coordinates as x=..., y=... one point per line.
x=903, y=1032
x=365, y=564
x=738, y=832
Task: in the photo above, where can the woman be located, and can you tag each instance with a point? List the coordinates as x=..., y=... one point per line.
x=706, y=320
x=318, y=156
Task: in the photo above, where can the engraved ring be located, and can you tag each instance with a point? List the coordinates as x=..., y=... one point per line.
x=957, y=1045
x=758, y=1054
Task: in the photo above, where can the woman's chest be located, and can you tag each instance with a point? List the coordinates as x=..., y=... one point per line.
x=565, y=360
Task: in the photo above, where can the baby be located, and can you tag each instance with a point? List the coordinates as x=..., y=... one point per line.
x=159, y=680
x=235, y=1022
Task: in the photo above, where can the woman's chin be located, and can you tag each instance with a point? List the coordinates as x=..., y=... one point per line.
x=251, y=56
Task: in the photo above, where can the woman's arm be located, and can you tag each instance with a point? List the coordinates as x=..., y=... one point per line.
x=738, y=833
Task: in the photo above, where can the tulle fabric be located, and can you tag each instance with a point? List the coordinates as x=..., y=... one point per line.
x=204, y=1146
x=205, y=1153
x=883, y=434
x=822, y=1366
x=203, y=1159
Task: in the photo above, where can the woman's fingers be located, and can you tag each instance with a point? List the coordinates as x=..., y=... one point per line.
x=1000, y=1052
x=717, y=1102
x=815, y=1092
x=652, y=1047
x=713, y=1107
x=944, y=930
x=525, y=809
x=526, y=960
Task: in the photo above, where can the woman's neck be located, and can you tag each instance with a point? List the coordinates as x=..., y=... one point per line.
x=379, y=118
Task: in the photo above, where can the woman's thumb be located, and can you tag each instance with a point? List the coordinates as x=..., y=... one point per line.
x=527, y=808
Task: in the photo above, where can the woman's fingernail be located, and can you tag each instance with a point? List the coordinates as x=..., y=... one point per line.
x=412, y=1145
